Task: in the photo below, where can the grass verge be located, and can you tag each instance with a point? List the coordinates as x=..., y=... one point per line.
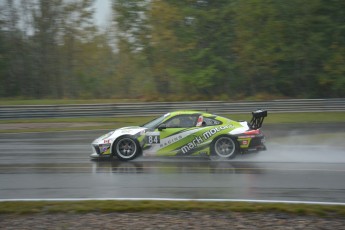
x=59, y=124
x=44, y=207
x=62, y=101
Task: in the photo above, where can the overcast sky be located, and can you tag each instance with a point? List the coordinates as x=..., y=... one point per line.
x=102, y=15
x=103, y=12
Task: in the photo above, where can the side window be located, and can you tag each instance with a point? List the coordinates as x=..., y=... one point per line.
x=182, y=121
x=210, y=122
x=173, y=123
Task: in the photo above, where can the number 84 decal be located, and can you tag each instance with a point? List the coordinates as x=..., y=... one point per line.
x=152, y=138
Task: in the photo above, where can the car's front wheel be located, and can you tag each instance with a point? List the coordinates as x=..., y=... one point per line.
x=224, y=147
x=126, y=148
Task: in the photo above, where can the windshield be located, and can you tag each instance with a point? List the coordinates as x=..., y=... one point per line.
x=154, y=123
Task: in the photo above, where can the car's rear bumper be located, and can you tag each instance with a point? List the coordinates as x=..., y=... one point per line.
x=257, y=143
x=252, y=142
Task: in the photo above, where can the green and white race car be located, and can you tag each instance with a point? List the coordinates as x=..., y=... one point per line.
x=184, y=133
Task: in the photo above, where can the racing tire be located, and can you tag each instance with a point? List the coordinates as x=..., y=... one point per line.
x=224, y=147
x=126, y=148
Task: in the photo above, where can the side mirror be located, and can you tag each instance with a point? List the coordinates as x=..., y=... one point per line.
x=161, y=127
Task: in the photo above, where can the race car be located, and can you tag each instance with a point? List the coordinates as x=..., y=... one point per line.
x=184, y=133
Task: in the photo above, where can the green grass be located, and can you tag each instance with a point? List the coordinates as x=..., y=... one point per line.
x=42, y=130
x=43, y=207
x=116, y=122
x=128, y=120
x=314, y=117
x=273, y=118
x=62, y=101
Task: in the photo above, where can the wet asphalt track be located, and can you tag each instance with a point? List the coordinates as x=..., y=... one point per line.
x=57, y=165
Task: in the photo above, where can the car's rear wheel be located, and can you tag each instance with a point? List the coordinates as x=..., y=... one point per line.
x=224, y=147
x=126, y=148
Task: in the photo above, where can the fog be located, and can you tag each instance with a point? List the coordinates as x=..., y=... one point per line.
x=316, y=148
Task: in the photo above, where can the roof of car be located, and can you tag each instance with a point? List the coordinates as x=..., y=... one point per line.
x=181, y=112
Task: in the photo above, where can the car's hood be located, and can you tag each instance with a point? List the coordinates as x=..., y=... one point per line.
x=132, y=130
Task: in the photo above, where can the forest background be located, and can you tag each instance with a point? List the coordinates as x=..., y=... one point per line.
x=168, y=50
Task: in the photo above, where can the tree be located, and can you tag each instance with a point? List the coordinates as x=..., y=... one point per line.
x=283, y=46
x=42, y=45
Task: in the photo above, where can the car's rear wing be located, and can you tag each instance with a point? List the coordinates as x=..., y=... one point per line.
x=257, y=119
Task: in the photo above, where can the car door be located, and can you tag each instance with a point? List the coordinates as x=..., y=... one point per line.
x=177, y=132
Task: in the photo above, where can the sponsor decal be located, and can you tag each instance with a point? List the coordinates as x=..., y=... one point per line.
x=104, y=148
x=171, y=141
x=247, y=136
x=203, y=137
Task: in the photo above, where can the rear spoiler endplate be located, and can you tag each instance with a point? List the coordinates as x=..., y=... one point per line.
x=257, y=119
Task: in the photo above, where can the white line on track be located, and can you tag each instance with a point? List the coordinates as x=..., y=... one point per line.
x=176, y=199
x=172, y=167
